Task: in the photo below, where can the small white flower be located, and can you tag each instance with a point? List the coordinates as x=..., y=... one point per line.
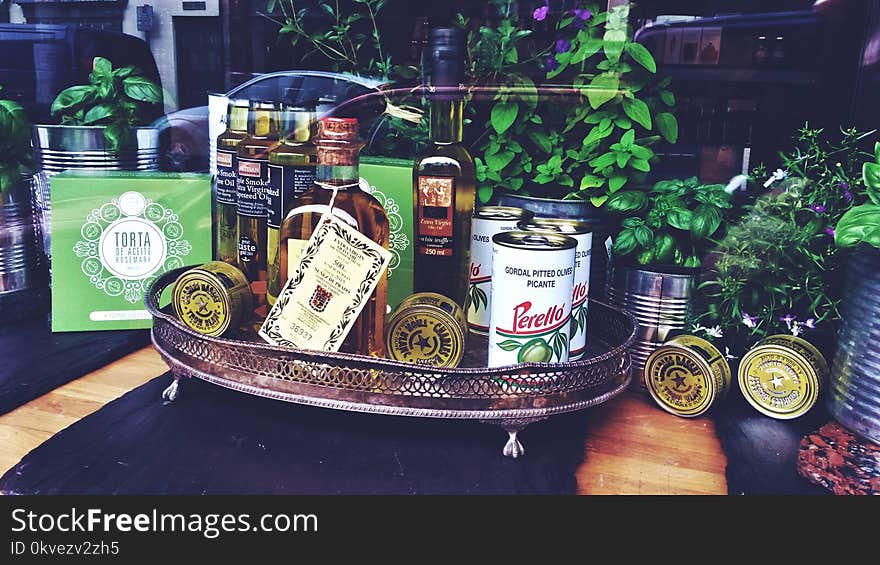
x=796, y=329
x=810, y=323
x=727, y=354
x=777, y=175
x=714, y=332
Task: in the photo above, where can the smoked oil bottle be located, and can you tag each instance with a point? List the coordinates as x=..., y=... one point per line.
x=337, y=180
x=444, y=178
x=225, y=212
x=252, y=179
x=292, y=168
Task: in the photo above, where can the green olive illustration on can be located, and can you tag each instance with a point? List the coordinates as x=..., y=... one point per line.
x=535, y=351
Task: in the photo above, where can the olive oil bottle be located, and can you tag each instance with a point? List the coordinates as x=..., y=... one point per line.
x=251, y=180
x=292, y=166
x=444, y=179
x=225, y=213
x=338, y=182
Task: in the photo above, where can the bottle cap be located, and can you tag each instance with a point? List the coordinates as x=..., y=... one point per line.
x=444, y=56
x=339, y=129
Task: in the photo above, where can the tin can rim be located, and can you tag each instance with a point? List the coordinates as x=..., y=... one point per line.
x=400, y=314
x=512, y=239
x=543, y=224
x=813, y=382
x=494, y=213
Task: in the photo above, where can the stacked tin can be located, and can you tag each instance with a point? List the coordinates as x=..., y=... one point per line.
x=660, y=302
x=854, y=398
x=23, y=265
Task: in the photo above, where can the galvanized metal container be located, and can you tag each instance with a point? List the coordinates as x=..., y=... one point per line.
x=23, y=265
x=660, y=302
x=854, y=398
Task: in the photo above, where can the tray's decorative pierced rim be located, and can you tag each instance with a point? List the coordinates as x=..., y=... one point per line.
x=155, y=291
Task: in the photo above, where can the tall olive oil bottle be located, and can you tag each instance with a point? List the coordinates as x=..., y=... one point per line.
x=444, y=178
x=252, y=179
x=225, y=212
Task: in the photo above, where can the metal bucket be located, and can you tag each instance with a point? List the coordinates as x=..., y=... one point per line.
x=854, y=398
x=23, y=265
x=660, y=302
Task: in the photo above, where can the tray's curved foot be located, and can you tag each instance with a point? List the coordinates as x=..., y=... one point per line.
x=513, y=448
x=171, y=393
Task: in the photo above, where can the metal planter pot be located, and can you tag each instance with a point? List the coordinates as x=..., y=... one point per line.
x=573, y=210
x=854, y=398
x=23, y=264
x=660, y=300
x=58, y=148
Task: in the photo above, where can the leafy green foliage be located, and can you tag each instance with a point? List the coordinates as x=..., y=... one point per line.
x=862, y=223
x=114, y=98
x=778, y=269
x=671, y=224
x=16, y=157
x=586, y=149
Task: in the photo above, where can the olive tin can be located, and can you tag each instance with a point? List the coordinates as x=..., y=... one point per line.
x=582, y=233
x=782, y=376
x=687, y=375
x=427, y=329
x=213, y=299
x=486, y=222
x=530, y=319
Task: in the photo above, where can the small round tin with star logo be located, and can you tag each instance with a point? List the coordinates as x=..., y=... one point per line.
x=427, y=329
x=686, y=375
x=782, y=376
x=212, y=299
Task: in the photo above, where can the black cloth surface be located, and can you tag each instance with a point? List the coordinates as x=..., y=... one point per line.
x=36, y=361
x=762, y=451
x=217, y=441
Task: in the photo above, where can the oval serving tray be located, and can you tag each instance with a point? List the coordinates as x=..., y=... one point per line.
x=512, y=396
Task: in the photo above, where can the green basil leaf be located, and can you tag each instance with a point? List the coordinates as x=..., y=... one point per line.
x=97, y=113
x=485, y=193
x=499, y=160
x=624, y=243
x=667, y=97
x=638, y=111
x=623, y=158
x=640, y=165
x=73, y=97
x=871, y=176
x=705, y=220
x=604, y=160
x=591, y=181
x=859, y=224
x=667, y=124
x=586, y=49
x=679, y=218
x=633, y=223
x=626, y=201
x=101, y=67
x=644, y=235
x=142, y=89
x=640, y=152
x=628, y=138
x=616, y=182
x=503, y=116
x=602, y=88
x=663, y=247
x=641, y=56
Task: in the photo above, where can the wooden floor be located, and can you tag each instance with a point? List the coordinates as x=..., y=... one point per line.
x=631, y=446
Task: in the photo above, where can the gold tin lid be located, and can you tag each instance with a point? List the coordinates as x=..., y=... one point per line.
x=427, y=329
x=502, y=213
x=537, y=241
x=211, y=299
x=557, y=225
x=782, y=376
x=686, y=375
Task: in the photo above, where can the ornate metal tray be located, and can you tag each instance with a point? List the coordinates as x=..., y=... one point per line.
x=512, y=396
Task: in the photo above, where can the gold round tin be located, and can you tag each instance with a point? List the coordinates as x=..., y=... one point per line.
x=686, y=375
x=212, y=299
x=782, y=376
x=427, y=329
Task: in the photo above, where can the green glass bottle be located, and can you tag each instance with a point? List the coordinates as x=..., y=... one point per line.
x=226, y=157
x=292, y=166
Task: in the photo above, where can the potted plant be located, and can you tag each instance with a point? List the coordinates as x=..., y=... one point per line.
x=664, y=234
x=102, y=123
x=22, y=263
x=855, y=381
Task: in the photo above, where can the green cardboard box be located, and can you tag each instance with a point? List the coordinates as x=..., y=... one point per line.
x=113, y=233
x=390, y=181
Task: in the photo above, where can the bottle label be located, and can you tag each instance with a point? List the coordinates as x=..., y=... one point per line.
x=247, y=249
x=225, y=179
x=319, y=305
x=436, y=209
x=285, y=184
x=250, y=184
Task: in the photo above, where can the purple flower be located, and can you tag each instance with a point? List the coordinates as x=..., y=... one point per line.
x=810, y=323
x=843, y=185
x=749, y=321
x=830, y=232
x=818, y=208
x=562, y=45
x=582, y=14
x=551, y=63
x=788, y=319
x=541, y=13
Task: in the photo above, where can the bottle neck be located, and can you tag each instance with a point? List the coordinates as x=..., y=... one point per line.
x=446, y=121
x=263, y=124
x=338, y=165
x=237, y=119
x=296, y=127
